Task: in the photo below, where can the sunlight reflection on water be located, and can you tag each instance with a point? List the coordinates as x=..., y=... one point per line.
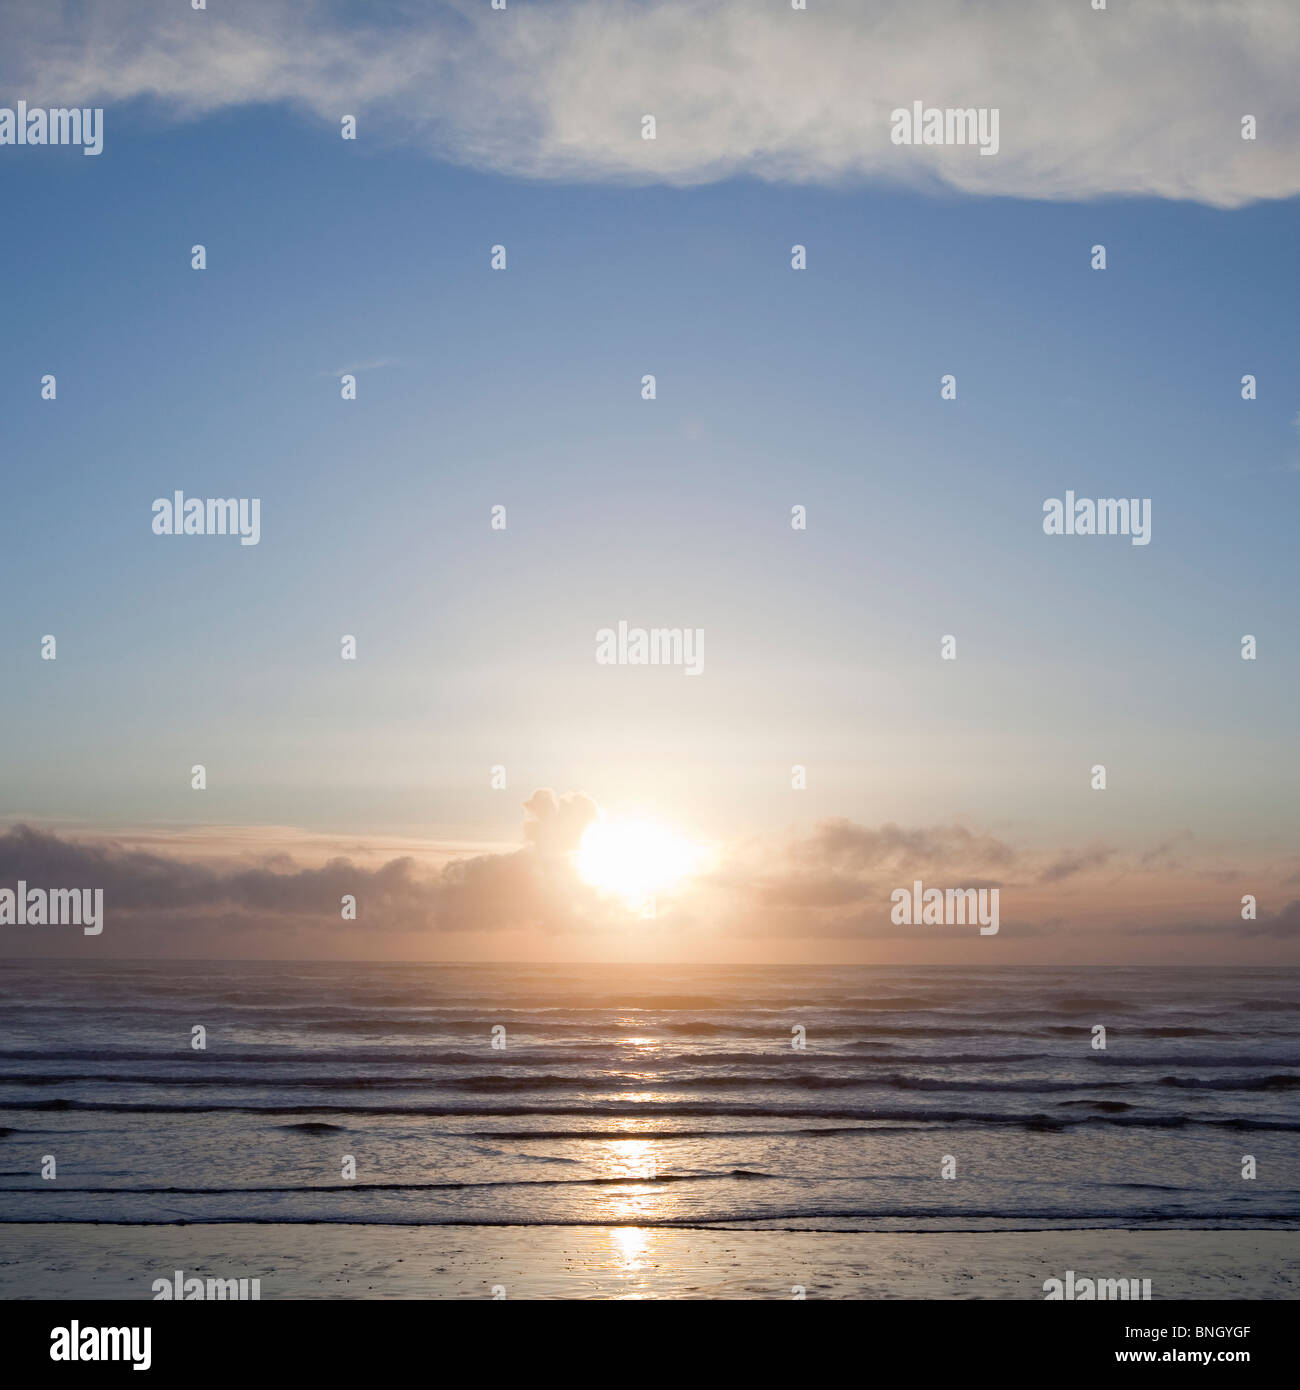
x=629, y=1251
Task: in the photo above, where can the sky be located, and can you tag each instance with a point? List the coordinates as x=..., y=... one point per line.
x=522, y=388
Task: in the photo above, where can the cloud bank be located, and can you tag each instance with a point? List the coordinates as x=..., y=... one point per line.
x=1139, y=99
x=831, y=886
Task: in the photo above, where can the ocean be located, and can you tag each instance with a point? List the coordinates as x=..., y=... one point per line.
x=651, y=1097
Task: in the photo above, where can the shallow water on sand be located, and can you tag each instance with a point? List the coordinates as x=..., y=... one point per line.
x=625, y=1262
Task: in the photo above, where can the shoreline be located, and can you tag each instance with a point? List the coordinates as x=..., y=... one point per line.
x=337, y=1260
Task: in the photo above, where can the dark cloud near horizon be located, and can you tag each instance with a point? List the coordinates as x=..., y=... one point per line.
x=147, y=893
x=141, y=883
x=1067, y=865
x=833, y=884
x=1282, y=926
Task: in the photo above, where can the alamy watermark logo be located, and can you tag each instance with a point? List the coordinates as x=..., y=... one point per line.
x=59, y=125
x=945, y=907
x=77, y=1343
x=179, y=515
x=1081, y=1288
x=53, y=907
x=1107, y=516
x=655, y=646
x=948, y=125
x=193, y=1289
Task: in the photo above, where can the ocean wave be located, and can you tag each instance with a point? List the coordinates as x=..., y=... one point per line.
x=655, y=1110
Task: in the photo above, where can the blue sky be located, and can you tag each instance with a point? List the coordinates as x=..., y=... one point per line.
x=775, y=387
x=522, y=388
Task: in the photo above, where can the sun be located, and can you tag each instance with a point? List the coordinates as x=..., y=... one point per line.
x=636, y=860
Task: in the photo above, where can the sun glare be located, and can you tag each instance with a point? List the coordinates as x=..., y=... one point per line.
x=636, y=859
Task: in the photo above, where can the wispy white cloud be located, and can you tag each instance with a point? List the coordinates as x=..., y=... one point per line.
x=373, y=365
x=1136, y=99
